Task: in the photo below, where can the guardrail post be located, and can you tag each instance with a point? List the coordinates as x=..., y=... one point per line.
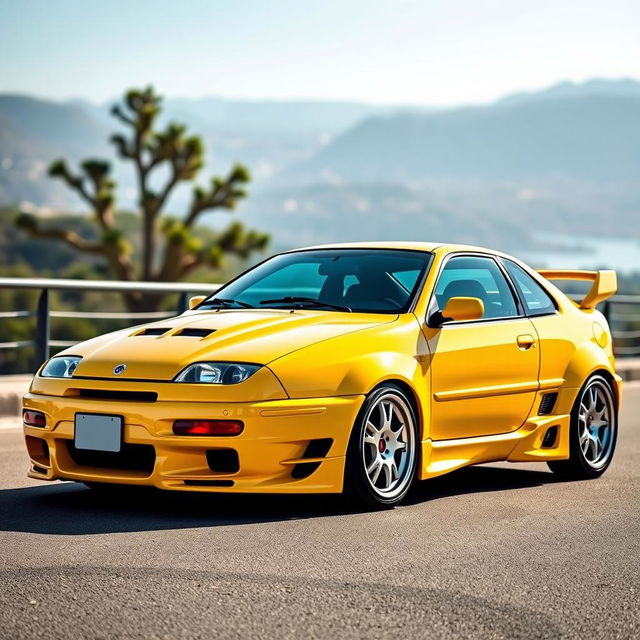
x=183, y=302
x=606, y=311
x=42, y=330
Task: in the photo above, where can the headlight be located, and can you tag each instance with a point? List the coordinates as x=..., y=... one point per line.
x=217, y=372
x=60, y=367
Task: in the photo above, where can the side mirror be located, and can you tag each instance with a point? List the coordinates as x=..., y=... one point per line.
x=460, y=309
x=195, y=301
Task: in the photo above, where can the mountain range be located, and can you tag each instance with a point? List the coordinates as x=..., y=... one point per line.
x=566, y=157
x=589, y=137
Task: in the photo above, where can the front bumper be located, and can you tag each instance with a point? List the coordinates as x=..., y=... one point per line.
x=274, y=454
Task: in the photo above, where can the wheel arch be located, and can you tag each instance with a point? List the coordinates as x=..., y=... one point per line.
x=587, y=360
x=610, y=378
x=412, y=397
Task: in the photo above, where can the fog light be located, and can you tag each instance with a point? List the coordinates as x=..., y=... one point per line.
x=34, y=418
x=208, y=427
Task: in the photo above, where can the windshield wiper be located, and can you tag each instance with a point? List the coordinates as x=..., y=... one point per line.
x=301, y=301
x=229, y=302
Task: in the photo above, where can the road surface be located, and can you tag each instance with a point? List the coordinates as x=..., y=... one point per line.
x=497, y=551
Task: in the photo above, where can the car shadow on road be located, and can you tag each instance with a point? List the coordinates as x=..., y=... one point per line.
x=72, y=509
x=479, y=479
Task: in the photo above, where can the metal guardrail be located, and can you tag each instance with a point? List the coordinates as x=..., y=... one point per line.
x=622, y=311
x=623, y=314
x=43, y=312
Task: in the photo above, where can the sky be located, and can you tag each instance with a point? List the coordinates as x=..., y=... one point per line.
x=429, y=52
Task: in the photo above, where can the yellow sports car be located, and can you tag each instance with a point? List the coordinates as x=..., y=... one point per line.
x=356, y=368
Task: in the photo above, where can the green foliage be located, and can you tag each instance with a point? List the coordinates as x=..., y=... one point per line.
x=181, y=157
x=26, y=221
x=26, y=257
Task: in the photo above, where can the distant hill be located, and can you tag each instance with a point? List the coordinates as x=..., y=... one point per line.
x=565, y=158
x=595, y=136
x=267, y=135
x=57, y=124
x=33, y=133
x=623, y=87
x=297, y=117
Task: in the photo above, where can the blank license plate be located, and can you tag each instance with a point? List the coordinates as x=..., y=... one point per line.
x=98, y=432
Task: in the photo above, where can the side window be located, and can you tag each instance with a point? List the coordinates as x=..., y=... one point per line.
x=537, y=301
x=477, y=277
x=407, y=279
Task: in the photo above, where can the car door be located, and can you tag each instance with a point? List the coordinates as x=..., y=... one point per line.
x=483, y=373
x=555, y=331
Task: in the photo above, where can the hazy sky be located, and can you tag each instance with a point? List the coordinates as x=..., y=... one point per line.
x=402, y=51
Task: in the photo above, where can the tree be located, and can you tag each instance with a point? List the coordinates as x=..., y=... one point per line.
x=169, y=249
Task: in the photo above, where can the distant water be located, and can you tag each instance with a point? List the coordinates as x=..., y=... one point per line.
x=587, y=252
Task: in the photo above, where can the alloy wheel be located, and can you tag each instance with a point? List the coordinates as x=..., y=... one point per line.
x=388, y=445
x=596, y=424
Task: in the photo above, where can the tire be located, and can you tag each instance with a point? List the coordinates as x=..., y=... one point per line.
x=593, y=432
x=383, y=449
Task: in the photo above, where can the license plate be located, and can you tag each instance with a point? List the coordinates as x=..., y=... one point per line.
x=98, y=432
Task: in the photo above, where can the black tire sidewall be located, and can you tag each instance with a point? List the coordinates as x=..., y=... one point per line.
x=576, y=453
x=356, y=482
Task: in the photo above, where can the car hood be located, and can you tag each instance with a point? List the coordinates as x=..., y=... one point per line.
x=258, y=336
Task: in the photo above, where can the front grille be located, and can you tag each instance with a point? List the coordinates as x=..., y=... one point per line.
x=132, y=457
x=128, y=396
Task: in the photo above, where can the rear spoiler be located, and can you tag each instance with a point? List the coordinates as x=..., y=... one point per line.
x=605, y=283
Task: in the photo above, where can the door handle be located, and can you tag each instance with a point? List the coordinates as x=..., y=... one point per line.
x=526, y=341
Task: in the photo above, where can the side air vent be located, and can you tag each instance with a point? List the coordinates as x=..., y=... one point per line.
x=547, y=403
x=153, y=331
x=550, y=437
x=223, y=460
x=315, y=449
x=194, y=333
x=209, y=483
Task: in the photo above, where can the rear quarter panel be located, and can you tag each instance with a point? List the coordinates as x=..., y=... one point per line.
x=574, y=343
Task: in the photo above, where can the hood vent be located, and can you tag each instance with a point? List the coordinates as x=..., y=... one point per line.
x=194, y=333
x=153, y=331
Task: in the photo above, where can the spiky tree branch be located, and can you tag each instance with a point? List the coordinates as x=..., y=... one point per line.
x=30, y=224
x=182, y=157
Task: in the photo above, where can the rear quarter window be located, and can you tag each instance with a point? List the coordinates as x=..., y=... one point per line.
x=536, y=300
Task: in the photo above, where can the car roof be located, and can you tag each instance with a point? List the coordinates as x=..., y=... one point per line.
x=415, y=246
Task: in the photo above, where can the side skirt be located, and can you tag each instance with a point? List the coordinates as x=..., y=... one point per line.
x=526, y=444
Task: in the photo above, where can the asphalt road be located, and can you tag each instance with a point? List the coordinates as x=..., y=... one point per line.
x=497, y=551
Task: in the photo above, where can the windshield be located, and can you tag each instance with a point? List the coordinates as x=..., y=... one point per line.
x=363, y=280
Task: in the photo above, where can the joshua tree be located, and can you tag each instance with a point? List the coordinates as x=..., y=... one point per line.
x=169, y=248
